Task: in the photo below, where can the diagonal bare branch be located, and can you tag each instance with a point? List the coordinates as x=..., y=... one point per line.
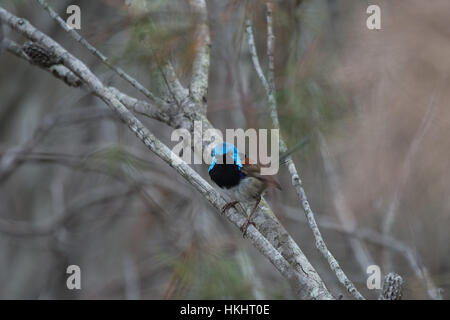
x=21, y=229
x=278, y=247
x=176, y=91
x=59, y=71
x=163, y=112
x=296, y=181
x=75, y=35
x=12, y=159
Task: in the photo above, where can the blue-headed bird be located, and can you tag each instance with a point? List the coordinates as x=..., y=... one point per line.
x=231, y=171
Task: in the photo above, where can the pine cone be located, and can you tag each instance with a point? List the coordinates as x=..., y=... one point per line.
x=40, y=55
x=392, y=287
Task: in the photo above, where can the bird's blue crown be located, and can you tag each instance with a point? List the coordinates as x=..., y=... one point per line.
x=224, y=148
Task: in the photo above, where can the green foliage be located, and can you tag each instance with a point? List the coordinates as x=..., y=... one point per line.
x=157, y=35
x=309, y=105
x=206, y=275
x=221, y=277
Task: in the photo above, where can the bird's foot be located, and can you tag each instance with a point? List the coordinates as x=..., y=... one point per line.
x=245, y=226
x=249, y=221
x=229, y=205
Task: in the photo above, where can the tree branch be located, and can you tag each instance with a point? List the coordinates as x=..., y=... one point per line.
x=200, y=69
x=20, y=229
x=404, y=172
x=12, y=159
x=296, y=182
x=176, y=91
x=164, y=112
x=344, y=213
x=75, y=35
x=284, y=255
x=59, y=71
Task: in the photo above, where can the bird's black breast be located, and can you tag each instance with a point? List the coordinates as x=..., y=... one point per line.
x=226, y=175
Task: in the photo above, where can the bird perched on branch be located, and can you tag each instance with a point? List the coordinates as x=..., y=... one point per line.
x=230, y=170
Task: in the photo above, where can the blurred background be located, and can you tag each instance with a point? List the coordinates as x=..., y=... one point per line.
x=370, y=104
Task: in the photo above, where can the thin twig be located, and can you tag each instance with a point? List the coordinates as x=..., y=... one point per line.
x=344, y=213
x=164, y=112
x=12, y=159
x=270, y=47
x=84, y=164
x=404, y=173
x=254, y=56
x=176, y=91
x=307, y=283
x=161, y=113
x=75, y=35
x=296, y=182
x=200, y=68
x=2, y=38
x=59, y=71
x=182, y=117
x=367, y=235
x=16, y=228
